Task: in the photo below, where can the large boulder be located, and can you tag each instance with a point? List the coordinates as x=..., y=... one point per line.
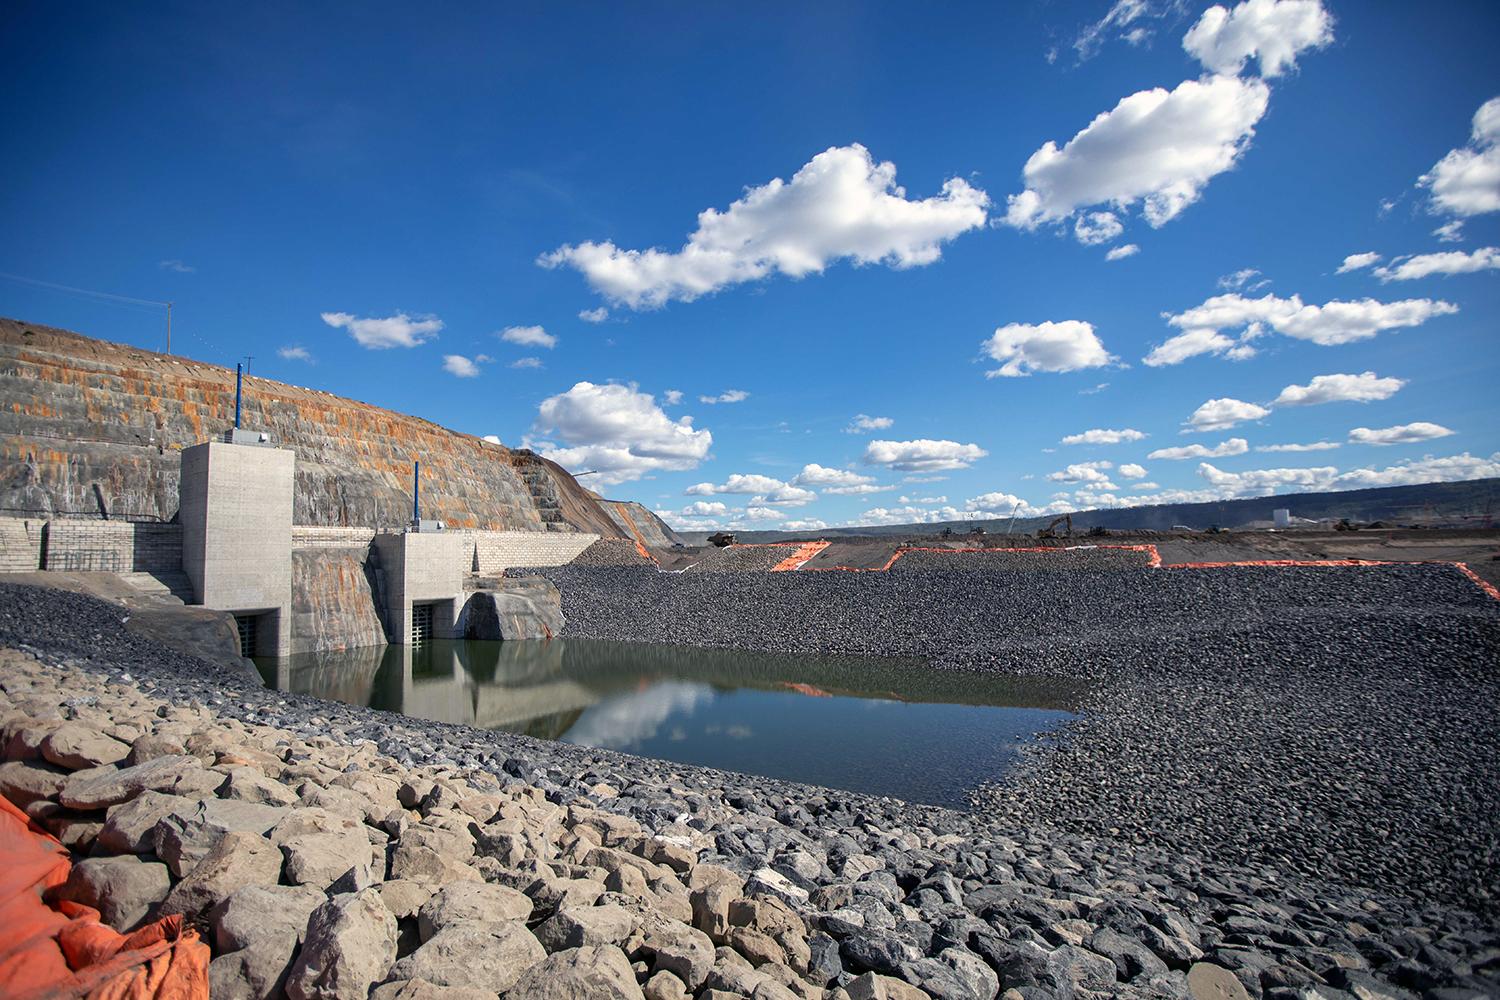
x=586, y=926
x=99, y=787
x=350, y=944
x=125, y=890
x=257, y=930
x=471, y=902
x=184, y=837
x=488, y=956
x=76, y=746
x=237, y=860
x=597, y=972
x=130, y=827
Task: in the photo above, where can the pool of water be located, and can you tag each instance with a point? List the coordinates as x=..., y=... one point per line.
x=879, y=726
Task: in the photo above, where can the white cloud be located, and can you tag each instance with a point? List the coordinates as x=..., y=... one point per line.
x=672, y=397
x=526, y=363
x=1400, y=434
x=399, y=330
x=1453, y=468
x=1358, y=261
x=598, y=315
x=1467, y=181
x=1156, y=147
x=923, y=455
x=528, y=336
x=1313, y=446
x=842, y=204
x=813, y=474
x=705, y=508
x=1093, y=228
x=177, y=266
x=863, y=424
x=1100, y=435
x=620, y=432
x=1085, y=472
x=727, y=396
x=1121, y=21
x=805, y=524
x=295, y=353
x=1234, y=446
x=1120, y=253
x=457, y=364
x=922, y=500
x=1064, y=346
x=491, y=438
x=1274, y=32
x=1363, y=388
x=1335, y=322
x=763, y=514
x=1266, y=481
x=1450, y=232
x=1094, y=390
x=996, y=501
x=1221, y=414
x=1446, y=262
x=860, y=489
x=1132, y=471
x=766, y=490
x=1243, y=280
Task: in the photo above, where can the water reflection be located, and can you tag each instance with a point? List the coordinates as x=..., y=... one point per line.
x=883, y=726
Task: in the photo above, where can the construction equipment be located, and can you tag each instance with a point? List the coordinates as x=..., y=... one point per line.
x=1050, y=531
x=723, y=539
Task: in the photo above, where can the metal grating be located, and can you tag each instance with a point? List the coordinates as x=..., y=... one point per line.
x=421, y=623
x=246, y=626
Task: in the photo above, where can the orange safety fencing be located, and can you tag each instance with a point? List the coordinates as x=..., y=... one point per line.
x=1155, y=561
x=64, y=951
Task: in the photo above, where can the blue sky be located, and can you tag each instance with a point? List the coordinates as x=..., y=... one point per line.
x=856, y=210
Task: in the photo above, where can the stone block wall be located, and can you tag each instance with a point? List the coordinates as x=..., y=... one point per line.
x=20, y=545
x=112, y=547
x=496, y=551
x=317, y=537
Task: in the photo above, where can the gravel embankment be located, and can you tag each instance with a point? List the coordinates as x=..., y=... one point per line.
x=1338, y=723
x=962, y=904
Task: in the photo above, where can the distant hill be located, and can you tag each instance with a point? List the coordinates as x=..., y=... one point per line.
x=1475, y=502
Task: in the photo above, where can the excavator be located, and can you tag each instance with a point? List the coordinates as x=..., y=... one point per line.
x=1050, y=531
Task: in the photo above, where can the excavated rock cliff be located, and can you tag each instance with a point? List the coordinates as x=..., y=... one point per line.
x=88, y=426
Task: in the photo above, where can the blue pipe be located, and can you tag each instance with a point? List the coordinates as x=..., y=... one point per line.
x=238, y=383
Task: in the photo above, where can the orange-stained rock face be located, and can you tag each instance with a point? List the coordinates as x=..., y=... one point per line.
x=85, y=423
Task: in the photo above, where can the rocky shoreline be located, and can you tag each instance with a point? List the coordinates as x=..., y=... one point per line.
x=490, y=845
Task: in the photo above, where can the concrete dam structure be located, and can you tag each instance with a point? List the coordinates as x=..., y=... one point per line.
x=115, y=459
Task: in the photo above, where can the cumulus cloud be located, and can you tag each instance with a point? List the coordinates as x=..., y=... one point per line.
x=766, y=490
x=1222, y=414
x=1132, y=471
x=1085, y=472
x=619, y=432
x=1234, y=446
x=378, y=334
x=756, y=513
x=526, y=363
x=727, y=396
x=1257, y=481
x=295, y=353
x=491, y=438
x=1158, y=148
x=1093, y=228
x=528, y=336
x=996, y=501
x=457, y=364
x=1274, y=32
x=863, y=424
x=1453, y=468
x=1400, y=434
x=923, y=455
x=1099, y=435
x=598, y=315
x=1312, y=446
x=1366, y=387
x=805, y=524
x=1204, y=327
x=705, y=508
x=1447, y=262
x=1120, y=253
x=1466, y=181
x=840, y=205
x=813, y=474
x=1358, y=261
x=1064, y=346
x=672, y=397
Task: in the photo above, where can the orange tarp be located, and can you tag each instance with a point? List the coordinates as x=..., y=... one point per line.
x=64, y=951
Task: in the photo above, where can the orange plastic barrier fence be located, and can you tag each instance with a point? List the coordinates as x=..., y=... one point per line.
x=64, y=951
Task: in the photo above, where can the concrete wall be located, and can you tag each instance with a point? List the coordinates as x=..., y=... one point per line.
x=496, y=551
x=113, y=547
x=305, y=536
x=20, y=545
x=422, y=568
x=236, y=511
